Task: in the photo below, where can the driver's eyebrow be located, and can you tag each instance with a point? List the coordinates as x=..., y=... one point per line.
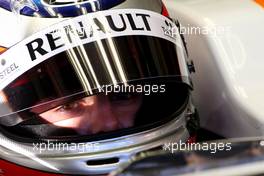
x=48, y=104
x=52, y=103
x=40, y=106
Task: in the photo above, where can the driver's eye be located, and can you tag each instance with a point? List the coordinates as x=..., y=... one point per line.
x=68, y=107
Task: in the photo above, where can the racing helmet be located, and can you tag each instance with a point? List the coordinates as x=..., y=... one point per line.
x=86, y=84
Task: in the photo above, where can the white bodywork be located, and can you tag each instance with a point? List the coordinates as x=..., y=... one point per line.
x=229, y=78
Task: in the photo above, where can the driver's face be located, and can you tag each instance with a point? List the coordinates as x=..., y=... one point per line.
x=96, y=114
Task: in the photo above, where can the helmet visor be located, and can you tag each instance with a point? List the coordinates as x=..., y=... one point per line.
x=110, y=75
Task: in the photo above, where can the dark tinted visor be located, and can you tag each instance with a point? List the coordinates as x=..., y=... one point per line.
x=122, y=77
x=88, y=70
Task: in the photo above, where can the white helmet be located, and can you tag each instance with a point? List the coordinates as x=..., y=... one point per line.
x=98, y=83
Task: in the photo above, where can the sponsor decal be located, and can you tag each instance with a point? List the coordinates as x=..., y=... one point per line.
x=85, y=29
x=8, y=70
x=170, y=30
